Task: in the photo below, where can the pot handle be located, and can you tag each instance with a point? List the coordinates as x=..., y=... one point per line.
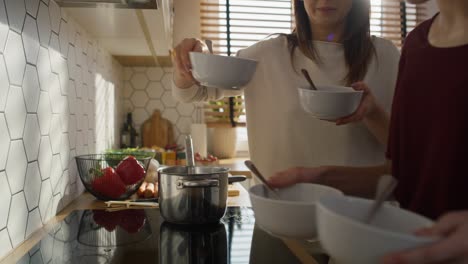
x=197, y=184
x=237, y=178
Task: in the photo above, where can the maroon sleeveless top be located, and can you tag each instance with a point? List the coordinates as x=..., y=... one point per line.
x=428, y=141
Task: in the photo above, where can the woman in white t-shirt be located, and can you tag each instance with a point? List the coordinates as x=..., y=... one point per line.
x=332, y=41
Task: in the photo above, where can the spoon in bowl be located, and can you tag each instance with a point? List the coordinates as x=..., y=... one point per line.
x=257, y=173
x=309, y=80
x=209, y=43
x=385, y=188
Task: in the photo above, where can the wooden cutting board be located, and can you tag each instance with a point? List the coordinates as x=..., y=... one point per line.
x=157, y=131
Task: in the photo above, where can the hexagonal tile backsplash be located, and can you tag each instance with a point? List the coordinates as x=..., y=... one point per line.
x=46, y=61
x=157, y=95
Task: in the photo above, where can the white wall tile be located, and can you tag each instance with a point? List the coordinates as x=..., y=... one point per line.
x=63, y=76
x=45, y=157
x=167, y=82
x=54, y=53
x=15, y=112
x=72, y=131
x=155, y=90
x=3, y=26
x=139, y=98
x=139, y=69
x=45, y=201
x=127, y=90
x=3, y=83
x=71, y=31
x=44, y=113
x=185, y=109
x=32, y=138
x=154, y=73
x=128, y=72
x=55, y=134
x=32, y=185
x=55, y=173
x=64, y=116
x=168, y=100
x=55, y=95
x=139, y=116
x=34, y=223
x=71, y=97
x=153, y=105
x=171, y=114
x=14, y=58
x=4, y=142
x=36, y=105
x=16, y=13
x=31, y=40
x=43, y=69
x=5, y=198
x=139, y=81
x=63, y=38
x=17, y=219
x=43, y=24
x=5, y=244
x=55, y=16
x=16, y=166
x=31, y=89
x=65, y=150
x=32, y=6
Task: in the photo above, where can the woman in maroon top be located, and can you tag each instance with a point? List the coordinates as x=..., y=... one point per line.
x=428, y=140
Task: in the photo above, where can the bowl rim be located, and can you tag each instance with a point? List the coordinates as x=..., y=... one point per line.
x=222, y=56
x=286, y=202
x=371, y=228
x=302, y=88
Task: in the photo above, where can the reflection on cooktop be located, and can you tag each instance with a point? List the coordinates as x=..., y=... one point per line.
x=142, y=236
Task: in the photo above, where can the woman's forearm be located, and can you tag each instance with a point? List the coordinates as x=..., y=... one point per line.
x=356, y=181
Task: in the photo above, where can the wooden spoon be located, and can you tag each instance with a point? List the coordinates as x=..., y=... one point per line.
x=309, y=80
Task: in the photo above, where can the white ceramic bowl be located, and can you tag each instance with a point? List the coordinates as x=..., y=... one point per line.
x=294, y=214
x=330, y=102
x=221, y=71
x=348, y=240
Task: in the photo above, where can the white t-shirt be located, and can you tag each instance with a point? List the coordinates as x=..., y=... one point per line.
x=281, y=134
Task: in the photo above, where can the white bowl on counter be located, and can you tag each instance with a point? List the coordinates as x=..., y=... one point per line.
x=294, y=214
x=329, y=102
x=348, y=240
x=221, y=71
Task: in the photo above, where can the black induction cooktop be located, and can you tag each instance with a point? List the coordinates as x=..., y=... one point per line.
x=142, y=237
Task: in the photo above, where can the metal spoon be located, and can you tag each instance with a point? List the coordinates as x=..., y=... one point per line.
x=255, y=171
x=189, y=155
x=309, y=80
x=209, y=43
x=385, y=188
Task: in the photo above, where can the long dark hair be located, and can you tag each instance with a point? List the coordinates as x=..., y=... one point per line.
x=357, y=42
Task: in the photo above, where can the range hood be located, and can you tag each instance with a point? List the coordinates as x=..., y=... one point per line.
x=132, y=4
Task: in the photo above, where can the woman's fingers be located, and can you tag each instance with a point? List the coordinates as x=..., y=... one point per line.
x=181, y=59
x=445, y=225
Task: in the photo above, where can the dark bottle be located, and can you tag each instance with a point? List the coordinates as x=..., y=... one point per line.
x=132, y=131
x=125, y=136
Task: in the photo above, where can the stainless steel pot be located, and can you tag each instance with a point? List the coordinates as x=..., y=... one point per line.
x=194, y=195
